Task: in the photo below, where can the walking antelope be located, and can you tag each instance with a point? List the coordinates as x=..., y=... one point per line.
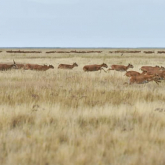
x=88, y=68
x=66, y=66
x=120, y=67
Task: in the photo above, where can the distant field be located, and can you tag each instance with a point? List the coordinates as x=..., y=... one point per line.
x=61, y=117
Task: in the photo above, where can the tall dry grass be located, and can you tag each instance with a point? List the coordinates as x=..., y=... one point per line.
x=72, y=117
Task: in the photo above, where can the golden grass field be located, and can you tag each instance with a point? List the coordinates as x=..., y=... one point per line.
x=70, y=117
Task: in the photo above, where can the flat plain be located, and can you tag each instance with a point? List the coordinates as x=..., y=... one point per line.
x=59, y=117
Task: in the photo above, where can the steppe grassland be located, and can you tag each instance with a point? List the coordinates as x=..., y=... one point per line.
x=72, y=117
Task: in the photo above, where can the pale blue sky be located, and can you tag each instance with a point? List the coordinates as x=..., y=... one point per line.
x=82, y=23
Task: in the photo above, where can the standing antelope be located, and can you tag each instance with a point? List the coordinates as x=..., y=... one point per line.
x=95, y=67
x=120, y=67
x=7, y=66
x=66, y=66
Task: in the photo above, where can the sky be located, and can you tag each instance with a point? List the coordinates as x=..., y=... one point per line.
x=82, y=23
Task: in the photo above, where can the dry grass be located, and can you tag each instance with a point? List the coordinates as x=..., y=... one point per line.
x=71, y=117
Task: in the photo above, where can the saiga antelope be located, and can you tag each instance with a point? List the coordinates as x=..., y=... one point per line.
x=120, y=67
x=38, y=67
x=7, y=66
x=66, y=66
x=89, y=68
x=142, y=79
x=132, y=73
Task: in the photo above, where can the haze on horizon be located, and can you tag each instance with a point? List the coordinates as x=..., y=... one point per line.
x=82, y=23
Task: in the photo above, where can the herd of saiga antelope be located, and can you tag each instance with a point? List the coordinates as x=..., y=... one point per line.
x=149, y=73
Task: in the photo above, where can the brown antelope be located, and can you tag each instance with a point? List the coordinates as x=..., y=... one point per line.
x=146, y=69
x=7, y=66
x=66, y=66
x=161, y=73
x=89, y=68
x=120, y=67
x=142, y=79
x=30, y=66
x=20, y=66
x=153, y=72
x=46, y=67
x=132, y=73
x=38, y=67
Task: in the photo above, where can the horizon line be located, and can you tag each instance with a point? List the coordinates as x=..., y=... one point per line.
x=82, y=47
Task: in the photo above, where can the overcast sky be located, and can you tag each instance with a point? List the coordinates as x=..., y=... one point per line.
x=82, y=23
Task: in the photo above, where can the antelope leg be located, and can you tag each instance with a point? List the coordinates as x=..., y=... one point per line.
x=110, y=69
x=156, y=82
x=103, y=70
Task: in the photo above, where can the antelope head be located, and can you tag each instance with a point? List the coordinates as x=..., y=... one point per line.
x=75, y=64
x=130, y=65
x=14, y=64
x=51, y=66
x=157, y=77
x=162, y=68
x=104, y=65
